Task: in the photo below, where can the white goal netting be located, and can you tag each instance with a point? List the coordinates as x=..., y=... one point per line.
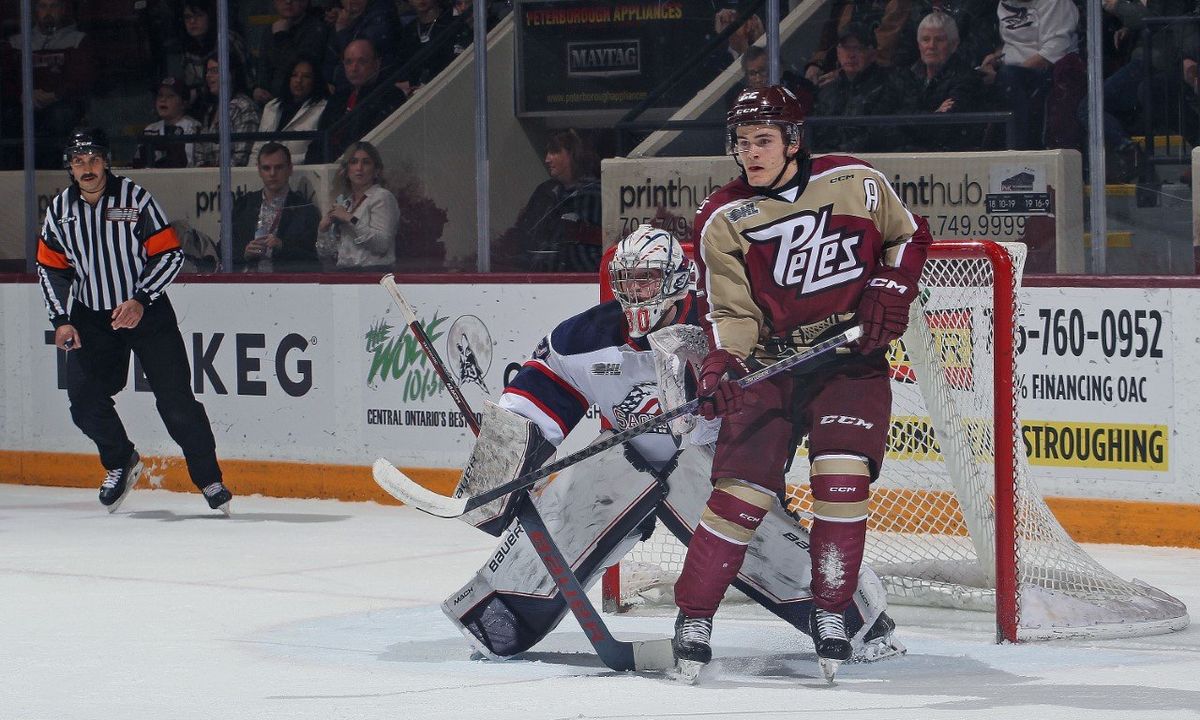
x=956, y=518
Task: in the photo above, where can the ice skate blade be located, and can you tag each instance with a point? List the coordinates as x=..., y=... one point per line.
x=224, y=507
x=686, y=671
x=134, y=475
x=829, y=668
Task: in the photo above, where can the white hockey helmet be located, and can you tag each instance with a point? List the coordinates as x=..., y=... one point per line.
x=649, y=273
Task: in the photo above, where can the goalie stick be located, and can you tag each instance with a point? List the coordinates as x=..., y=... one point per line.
x=617, y=654
x=410, y=317
x=403, y=488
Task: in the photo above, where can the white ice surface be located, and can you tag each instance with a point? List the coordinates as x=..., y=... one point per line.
x=316, y=609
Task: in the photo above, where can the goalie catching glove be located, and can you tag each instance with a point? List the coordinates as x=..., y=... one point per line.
x=719, y=393
x=883, y=309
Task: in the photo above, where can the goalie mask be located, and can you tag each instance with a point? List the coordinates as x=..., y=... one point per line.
x=649, y=274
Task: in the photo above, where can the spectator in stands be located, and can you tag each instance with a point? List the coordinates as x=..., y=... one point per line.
x=978, y=33
x=466, y=32
x=559, y=228
x=64, y=73
x=755, y=73
x=1125, y=90
x=170, y=104
x=242, y=114
x=363, y=69
x=349, y=20
x=275, y=230
x=296, y=108
x=862, y=88
x=359, y=230
x=1035, y=35
x=884, y=18
x=737, y=43
x=1190, y=68
x=945, y=82
x=434, y=20
x=199, y=40
x=297, y=32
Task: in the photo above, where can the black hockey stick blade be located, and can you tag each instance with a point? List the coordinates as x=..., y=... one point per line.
x=616, y=654
x=403, y=488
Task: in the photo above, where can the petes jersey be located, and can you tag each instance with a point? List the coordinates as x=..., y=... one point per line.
x=799, y=258
x=589, y=359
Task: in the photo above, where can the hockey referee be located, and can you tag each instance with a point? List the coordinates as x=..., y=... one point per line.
x=107, y=243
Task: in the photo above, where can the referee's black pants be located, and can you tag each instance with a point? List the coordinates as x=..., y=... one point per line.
x=99, y=369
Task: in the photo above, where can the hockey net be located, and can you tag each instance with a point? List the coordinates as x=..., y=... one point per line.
x=956, y=520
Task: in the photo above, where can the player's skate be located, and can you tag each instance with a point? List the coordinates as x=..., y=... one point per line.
x=828, y=630
x=691, y=646
x=117, y=483
x=218, y=497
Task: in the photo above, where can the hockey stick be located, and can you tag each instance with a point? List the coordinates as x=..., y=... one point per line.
x=401, y=487
x=410, y=317
x=617, y=654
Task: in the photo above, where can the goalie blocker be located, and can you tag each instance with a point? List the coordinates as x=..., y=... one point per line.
x=597, y=511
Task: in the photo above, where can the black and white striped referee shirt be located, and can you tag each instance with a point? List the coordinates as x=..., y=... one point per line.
x=122, y=247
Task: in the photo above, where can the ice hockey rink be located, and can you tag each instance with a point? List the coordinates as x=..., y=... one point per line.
x=320, y=609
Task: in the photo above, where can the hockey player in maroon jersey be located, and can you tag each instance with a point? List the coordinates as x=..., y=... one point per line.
x=794, y=248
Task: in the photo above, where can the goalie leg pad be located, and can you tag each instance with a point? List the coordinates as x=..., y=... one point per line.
x=840, y=488
x=734, y=511
x=595, y=511
x=508, y=446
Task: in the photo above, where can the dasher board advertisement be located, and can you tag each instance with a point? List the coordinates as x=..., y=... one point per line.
x=1096, y=383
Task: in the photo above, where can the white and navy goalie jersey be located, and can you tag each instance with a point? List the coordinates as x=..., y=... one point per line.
x=590, y=359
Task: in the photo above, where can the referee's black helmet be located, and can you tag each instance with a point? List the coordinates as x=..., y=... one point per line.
x=87, y=141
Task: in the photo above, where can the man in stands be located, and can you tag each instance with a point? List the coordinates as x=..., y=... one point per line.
x=613, y=355
x=275, y=230
x=64, y=74
x=862, y=87
x=1036, y=35
x=364, y=71
x=794, y=250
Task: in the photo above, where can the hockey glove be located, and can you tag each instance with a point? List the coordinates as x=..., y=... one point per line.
x=883, y=309
x=719, y=394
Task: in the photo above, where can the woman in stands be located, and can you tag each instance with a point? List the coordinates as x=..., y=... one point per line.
x=242, y=113
x=359, y=231
x=199, y=40
x=559, y=228
x=296, y=107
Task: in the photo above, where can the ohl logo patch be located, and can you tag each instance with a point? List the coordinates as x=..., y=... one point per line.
x=810, y=254
x=640, y=405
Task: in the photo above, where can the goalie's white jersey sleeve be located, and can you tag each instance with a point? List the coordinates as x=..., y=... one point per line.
x=589, y=359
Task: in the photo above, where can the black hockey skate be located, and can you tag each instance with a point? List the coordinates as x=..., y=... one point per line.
x=828, y=630
x=117, y=483
x=218, y=497
x=691, y=645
